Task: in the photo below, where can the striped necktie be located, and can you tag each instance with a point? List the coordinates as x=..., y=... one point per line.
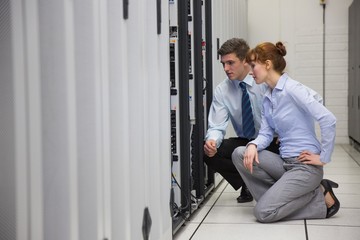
x=247, y=115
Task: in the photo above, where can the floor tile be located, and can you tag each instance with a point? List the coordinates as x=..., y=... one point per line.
x=199, y=214
x=212, y=198
x=233, y=215
x=345, y=163
x=348, y=188
x=342, y=171
x=349, y=200
x=349, y=217
x=229, y=188
x=221, y=186
x=229, y=199
x=343, y=178
x=331, y=233
x=249, y=231
x=230, y=215
x=186, y=231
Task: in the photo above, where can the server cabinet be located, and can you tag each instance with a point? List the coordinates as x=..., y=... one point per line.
x=139, y=123
x=354, y=72
x=85, y=128
x=357, y=67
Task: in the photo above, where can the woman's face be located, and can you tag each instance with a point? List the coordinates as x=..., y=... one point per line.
x=258, y=71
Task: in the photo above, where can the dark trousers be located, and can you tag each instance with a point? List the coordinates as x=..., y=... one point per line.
x=223, y=164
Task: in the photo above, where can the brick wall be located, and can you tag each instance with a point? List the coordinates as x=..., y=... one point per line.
x=299, y=24
x=308, y=69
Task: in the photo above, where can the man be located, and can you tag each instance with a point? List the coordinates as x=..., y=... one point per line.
x=227, y=105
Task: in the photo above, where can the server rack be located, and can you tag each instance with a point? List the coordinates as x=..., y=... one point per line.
x=188, y=39
x=198, y=130
x=208, y=80
x=180, y=112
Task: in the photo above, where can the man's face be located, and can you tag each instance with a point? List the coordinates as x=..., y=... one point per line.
x=233, y=66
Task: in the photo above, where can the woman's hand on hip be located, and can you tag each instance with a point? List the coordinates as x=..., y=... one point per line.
x=308, y=157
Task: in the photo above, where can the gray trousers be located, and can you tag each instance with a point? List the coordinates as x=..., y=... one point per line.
x=285, y=189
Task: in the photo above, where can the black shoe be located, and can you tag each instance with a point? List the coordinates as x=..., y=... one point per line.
x=328, y=185
x=245, y=195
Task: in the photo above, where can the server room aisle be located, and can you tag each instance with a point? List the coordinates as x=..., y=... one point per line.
x=221, y=217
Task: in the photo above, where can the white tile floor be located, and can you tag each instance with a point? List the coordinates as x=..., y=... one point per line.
x=221, y=217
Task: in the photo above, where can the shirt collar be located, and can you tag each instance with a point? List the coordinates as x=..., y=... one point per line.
x=280, y=84
x=249, y=80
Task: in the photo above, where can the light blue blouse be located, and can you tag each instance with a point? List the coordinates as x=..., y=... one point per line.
x=290, y=110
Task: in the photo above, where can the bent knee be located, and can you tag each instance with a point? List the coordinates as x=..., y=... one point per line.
x=263, y=214
x=238, y=154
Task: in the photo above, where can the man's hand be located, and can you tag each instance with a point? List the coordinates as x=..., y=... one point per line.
x=250, y=155
x=307, y=157
x=210, y=148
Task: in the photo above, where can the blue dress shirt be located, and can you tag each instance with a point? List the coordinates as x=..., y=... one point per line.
x=290, y=110
x=226, y=105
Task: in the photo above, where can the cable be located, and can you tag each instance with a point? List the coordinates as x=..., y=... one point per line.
x=180, y=209
x=177, y=183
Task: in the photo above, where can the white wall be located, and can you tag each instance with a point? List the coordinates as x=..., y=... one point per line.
x=229, y=21
x=299, y=24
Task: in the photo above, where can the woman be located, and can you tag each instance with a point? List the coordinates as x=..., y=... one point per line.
x=287, y=186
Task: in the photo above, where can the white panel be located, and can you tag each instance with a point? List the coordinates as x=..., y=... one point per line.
x=71, y=119
x=58, y=120
x=7, y=127
x=151, y=113
x=104, y=197
x=139, y=120
x=28, y=118
x=119, y=122
x=88, y=117
x=158, y=123
x=20, y=143
x=146, y=121
x=138, y=144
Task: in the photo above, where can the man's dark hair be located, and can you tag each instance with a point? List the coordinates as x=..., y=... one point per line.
x=234, y=45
